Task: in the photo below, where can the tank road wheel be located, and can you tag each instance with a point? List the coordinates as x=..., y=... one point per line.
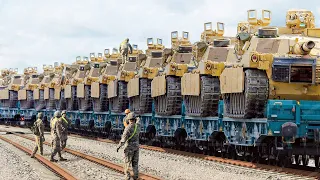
x=85, y=104
x=61, y=103
x=251, y=103
x=72, y=103
x=142, y=103
x=206, y=104
x=101, y=104
x=121, y=101
x=40, y=103
x=170, y=103
x=51, y=102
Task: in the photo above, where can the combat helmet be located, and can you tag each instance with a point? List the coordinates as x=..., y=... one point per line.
x=57, y=114
x=40, y=115
x=63, y=112
x=131, y=116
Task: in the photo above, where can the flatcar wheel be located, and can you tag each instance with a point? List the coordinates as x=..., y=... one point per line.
x=305, y=160
x=297, y=159
x=316, y=161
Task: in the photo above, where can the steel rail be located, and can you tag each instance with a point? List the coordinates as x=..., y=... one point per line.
x=53, y=167
x=270, y=168
x=99, y=161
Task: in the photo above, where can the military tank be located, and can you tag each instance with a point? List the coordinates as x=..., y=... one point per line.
x=41, y=93
x=11, y=85
x=166, y=87
x=139, y=88
x=271, y=63
x=117, y=89
x=70, y=90
x=54, y=93
x=201, y=87
x=84, y=89
x=25, y=95
x=99, y=90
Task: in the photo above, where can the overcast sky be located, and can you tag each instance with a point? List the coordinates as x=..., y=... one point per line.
x=37, y=32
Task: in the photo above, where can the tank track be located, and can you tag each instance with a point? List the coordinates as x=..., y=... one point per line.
x=85, y=104
x=11, y=102
x=51, y=102
x=61, y=103
x=72, y=103
x=40, y=103
x=142, y=103
x=251, y=103
x=170, y=103
x=206, y=104
x=29, y=102
x=101, y=104
x=120, y=103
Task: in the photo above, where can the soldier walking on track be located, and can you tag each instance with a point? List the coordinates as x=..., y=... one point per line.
x=65, y=125
x=56, y=134
x=130, y=140
x=38, y=131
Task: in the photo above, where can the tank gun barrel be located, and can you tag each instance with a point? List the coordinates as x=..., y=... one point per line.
x=303, y=48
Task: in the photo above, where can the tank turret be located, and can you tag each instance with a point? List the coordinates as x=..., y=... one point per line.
x=166, y=86
x=271, y=63
x=25, y=95
x=99, y=90
x=139, y=88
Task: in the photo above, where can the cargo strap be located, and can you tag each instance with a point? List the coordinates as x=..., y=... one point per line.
x=65, y=120
x=134, y=132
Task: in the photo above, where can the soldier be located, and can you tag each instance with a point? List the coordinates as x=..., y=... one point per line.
x=125, y=121
x=56, y=133
x=130, y=140
x=124, y=47
x=39, y=135
x=65, y=125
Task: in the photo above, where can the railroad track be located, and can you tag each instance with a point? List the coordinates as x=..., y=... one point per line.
x=52, y=166
x=309, y=172
x=99, y=161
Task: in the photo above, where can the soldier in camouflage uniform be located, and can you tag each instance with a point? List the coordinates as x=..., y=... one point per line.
x=130, y=140
x=65, y=125
x=125, y=120
x=39, y=137
x=56, y=134
x=124, y=48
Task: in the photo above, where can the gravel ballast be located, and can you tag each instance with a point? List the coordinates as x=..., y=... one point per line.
x=169, y=166
x=80, y=168
x=172, y=167
x=16, y=164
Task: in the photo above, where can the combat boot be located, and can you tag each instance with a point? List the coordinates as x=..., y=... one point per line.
x=61, y=158
x=52, y=159
x=41, y=151
x=34, y=152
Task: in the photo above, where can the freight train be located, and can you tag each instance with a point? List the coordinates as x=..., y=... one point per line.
x=253, y=97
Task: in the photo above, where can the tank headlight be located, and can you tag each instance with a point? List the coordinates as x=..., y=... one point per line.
x=254, y=58
x=208, y=66
x=173, y=68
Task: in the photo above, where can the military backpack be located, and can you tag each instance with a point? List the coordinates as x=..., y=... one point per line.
x=35, y=129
